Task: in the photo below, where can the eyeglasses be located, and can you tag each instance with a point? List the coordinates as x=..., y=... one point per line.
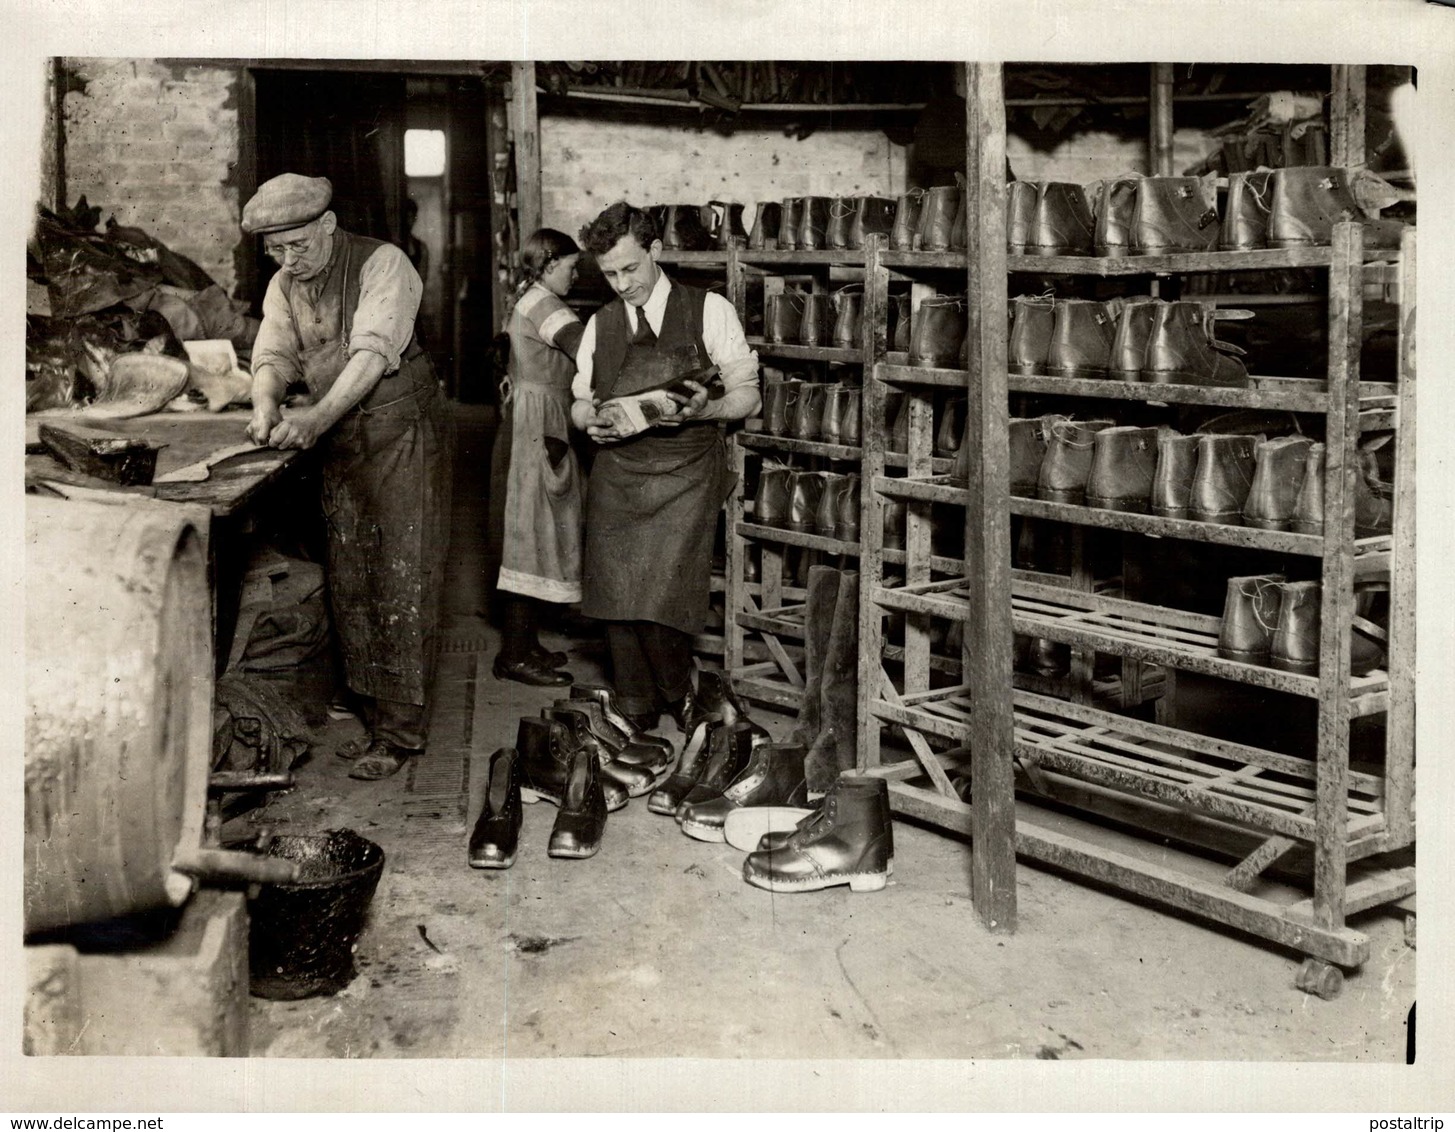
x=279, y=251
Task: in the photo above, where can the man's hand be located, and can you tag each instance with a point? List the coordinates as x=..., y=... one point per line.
x=590, y=420
x=298, y=430
x=687, y=408
x=266, y=417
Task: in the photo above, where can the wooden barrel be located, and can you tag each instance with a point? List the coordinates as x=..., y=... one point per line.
x=119, y=706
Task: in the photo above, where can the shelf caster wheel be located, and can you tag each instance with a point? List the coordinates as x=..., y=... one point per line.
x=1320, y=978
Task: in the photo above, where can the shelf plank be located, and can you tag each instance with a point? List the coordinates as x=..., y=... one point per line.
x=766, y=684
x=1303, y=401
x=1263, y=259
x=763, y=441
x=1285, y=542
x=796, y=351
x=712, y=257
x=954, y=260
x=797, y=538
x=921, y=375
x=832, y=256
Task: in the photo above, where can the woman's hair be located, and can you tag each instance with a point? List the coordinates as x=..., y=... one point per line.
x=541, y=249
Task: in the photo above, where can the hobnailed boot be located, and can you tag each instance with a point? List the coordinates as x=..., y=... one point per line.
x=952, y=427
x=831, y=421
x=872, y=216
x=1223, y=478
x=1173, y=215
x=807, y=421
x=730, y=230
x=1182, y=351
x=1276, y=482
x=841, y=216
x=784, y=316
x=1062, y=224
x=1069, y=450
x=773, y=778
x=582, y=817
x=848, y=519
x=1245, y=219
x=847, y=841
x=1123, y=465
x=1115, y=207
x=1028, y=439
x=635, y=780
x=1308, y=200
x=770, y=504
x=900, y=319
x=544, y=749
x=1081, y=337
x=826, y=518
x=906, y=220
x=847, y=326
x=1295, y=644
x=817, y=322
x=1250, y=614
x=732, y=749
x=1176, y=466
x=1020, y=216
x=496, y=835
x=1308, y=509
x=813, y=222
x=937, y=219
x=1129, y=343
x=690, y=764
x=779, y=401
x=791, y=217
x=767, y=221
x=832, y=748
x=939, y=332
x=1033, y=319
x=849, y=416
x=805, y=493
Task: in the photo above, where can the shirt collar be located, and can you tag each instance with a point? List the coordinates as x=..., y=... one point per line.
x=655, y=306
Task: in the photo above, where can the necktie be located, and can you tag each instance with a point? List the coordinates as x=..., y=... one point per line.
x=643, y=335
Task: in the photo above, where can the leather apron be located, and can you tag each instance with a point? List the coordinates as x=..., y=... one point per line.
x=652, y=501
x=386, y=496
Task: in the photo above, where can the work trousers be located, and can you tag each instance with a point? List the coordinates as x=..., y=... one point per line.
x=651, y=664
x=403, y=724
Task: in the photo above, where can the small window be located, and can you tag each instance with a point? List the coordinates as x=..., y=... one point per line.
x=424, y=153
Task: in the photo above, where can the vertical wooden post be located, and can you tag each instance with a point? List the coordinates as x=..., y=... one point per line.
x=502, y=240
x=1161, y=118
x=1399, y=759
x=245, y=178
x=1346, y=141
x=874, y=319
x=987, y=654
x=525, y=132
x=734, y=547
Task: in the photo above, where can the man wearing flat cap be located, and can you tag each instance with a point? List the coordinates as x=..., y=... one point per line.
x=339, y=316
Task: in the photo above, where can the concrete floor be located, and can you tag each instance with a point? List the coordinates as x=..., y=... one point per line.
x=656, y=948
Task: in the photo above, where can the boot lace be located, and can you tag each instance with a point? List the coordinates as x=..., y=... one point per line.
x=1260, y=601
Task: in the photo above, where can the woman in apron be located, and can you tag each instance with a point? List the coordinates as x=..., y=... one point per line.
x=541, y=554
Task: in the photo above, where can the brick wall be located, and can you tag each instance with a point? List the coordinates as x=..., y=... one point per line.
x=155, y=144
x=1092, y=155
x=587, y=163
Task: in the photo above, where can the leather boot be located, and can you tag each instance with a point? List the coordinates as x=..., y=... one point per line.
x=872, y=216
x=849, y=416
x=1309, y=200
x=805, y=493
x=938, y=333
x=1276, y=482
x=847, y=841
x=959, y=233
x=635, y=780
x=713, y=700
x=848, y=517
x=1123, y=465
x=1020, y=216
x=1173, y=215
x=900, y=320
x=690, y=764
x=544, y=749
x=1308, y=509
x=784, y=316
x=813, y=222
x=1176, y=465
x=896, y=421
x=766, y=223
x=770, y=504
x=834, y=748
x=730, y=230
x=1033, y=318
x=817, y=323
x=937, y=219
x=615, y=732
x=1182, y=351
x=1062, y=224
x=847, y=325
x=1245, y=219
x=1250, y=614
x=791, y=220
x=582, y=817
x=1049, y=658
x=807, y=422
x=826, y=518
x=1223, y=478
x=1028, y=439
x=775, y=839
x=1295, y=644
x=1081, y=337
x=1069, y=451
x=496, y=835
x=1129, y=343
x=685, y=230
x=906, y=220
x=780, y=399
x=841, y=216
x=658, y=214
x=952, y=427
x=831, y=421
x=1115, y=207
x=773, y=777
x=732, y=750
x=1373, y=498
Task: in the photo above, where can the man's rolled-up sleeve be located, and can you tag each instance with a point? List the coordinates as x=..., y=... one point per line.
x=277, y=343
x=728, y=348
x=389, y=294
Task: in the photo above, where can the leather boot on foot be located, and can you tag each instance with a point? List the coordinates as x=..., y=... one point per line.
x=770, y=504
x=938, y=332
x=1129, y=343
x=1181, y=349
x=1115, y=207
x=582, y=817
x=805, y=494
x=545, y=748
x=1308, y=200
x=496, y=835
x=1223, y=478
x=847, y=841
x=1062, y=224
x=1295, y=644
x=906, y=220
x=848, y=328
x=690, y=764
x=1067, y=464
x=937, y=218
x=779, y=399
x=766, y=223
x=791, y=217
x=1020, y=216
x=1176, y=466
x=1081, y=337
x=817, y=324
x=1250, y=615
x=773, y=777
x=1033, y=322
x=1173, y=215
x=1276, y=482
x=1123, y=465
x=1245, y=220
x=872, y=216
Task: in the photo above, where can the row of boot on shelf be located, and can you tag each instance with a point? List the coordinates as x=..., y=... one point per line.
x=1128, y=339
x=1272, y=483
x=1295, y=207
x=821, y=503
x=1272, y=622
x=933, y=335
x=830, y=412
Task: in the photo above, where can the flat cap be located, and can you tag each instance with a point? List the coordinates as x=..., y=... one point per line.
x=288, y=200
